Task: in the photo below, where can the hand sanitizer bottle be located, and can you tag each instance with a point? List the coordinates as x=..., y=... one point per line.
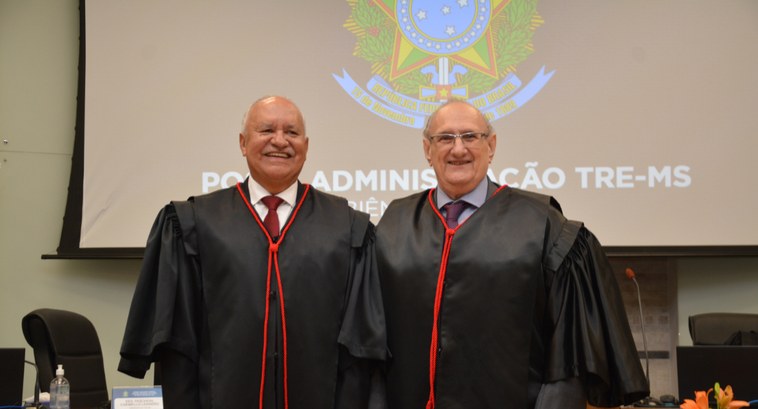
x=59, y=391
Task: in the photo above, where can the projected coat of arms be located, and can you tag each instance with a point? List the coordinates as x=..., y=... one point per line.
x=425, y=52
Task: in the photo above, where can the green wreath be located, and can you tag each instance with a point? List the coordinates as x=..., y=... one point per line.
x=512, y=30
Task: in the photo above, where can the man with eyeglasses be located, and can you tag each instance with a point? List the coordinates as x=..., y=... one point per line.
x=493, y=298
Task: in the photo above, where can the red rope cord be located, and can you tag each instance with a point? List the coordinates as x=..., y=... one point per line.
x=284, y=331
x=273, y=255
x=265, y=330
x=449, y=233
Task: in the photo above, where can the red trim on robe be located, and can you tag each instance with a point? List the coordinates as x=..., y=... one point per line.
x=273, y=258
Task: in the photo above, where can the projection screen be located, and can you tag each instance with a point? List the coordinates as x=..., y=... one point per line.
x=639, y=117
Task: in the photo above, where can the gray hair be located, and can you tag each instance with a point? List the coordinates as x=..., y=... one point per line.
x=431, y=117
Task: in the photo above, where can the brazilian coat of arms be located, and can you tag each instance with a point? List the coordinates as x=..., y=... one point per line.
x=425, y=52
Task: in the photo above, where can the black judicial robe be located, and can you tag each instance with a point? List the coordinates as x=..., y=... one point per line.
x=528, y=298
x=200, y=303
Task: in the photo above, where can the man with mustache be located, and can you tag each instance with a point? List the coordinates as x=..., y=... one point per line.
x=261, y=295
x=493, y=298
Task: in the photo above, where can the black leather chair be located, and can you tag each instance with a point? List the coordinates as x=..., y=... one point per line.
x=718, y=328
x=70, y=339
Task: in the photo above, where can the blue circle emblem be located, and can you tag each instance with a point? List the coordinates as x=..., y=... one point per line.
x=443, y=27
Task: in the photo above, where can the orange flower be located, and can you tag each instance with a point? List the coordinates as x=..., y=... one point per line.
x=700, y=402
x=724, y=398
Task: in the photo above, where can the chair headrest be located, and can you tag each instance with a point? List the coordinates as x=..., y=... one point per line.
x=53, y=327
x=716, y=328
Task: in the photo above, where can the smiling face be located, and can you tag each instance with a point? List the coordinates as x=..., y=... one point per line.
x=274, y=143
x=459, y=167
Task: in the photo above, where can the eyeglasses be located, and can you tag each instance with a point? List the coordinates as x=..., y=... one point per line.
x=448, y=139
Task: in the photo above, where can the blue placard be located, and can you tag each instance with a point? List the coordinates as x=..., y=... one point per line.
x=140, y=397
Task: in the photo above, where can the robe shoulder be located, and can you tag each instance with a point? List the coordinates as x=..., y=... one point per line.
x=591, y=337
x=164, y=277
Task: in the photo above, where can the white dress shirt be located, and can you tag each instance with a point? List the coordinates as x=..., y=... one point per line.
x=289, y=197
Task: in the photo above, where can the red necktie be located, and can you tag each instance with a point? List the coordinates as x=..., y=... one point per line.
x=271, y=221
x=453, y=211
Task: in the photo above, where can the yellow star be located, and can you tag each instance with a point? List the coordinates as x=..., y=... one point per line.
x=406, y=57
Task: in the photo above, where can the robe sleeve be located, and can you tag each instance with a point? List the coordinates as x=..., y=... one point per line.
x=362, y=337
x=163, y=313
x=590, y=338
x=363, y=330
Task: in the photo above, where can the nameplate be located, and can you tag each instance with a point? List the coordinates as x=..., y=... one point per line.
x=139, y=397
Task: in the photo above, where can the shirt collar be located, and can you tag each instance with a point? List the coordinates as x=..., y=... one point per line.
x=257, y=192
x=476, y=197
